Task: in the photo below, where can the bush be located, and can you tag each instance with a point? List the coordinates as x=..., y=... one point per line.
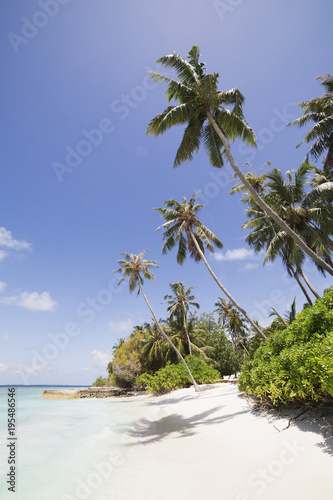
x=100, y=382
x=295, y=364
x=175, y=376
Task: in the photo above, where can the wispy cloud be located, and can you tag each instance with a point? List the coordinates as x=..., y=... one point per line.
x=2, y=285
x=236, y=254
x=248, y=266
x=121, y=326
x=33, y=301
x=3, y=255
x=3, y=367
x=101, y=359
x=4, y=337
x=7, y=240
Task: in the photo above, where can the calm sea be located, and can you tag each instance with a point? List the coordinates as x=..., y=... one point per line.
x=68, y=449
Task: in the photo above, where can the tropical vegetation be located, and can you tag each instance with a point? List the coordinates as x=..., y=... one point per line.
x=289, y=218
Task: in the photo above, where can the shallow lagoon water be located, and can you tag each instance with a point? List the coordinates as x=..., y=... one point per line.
x=68, y=449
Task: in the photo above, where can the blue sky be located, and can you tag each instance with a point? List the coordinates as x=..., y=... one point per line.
x=80, y=177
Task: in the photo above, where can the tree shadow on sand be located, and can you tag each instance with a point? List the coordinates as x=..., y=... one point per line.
x=318, y=421
x=157, y=430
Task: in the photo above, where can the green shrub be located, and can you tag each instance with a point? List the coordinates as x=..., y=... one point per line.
x=175, y=376
x=100, y=382
x=296, y=363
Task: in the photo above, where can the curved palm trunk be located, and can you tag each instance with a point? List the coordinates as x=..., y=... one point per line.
x=187, y=335
x=263, y=204
x=302, y=287
x=328, y=165
x=308, y=282
x=225, y=291
x=196, y=387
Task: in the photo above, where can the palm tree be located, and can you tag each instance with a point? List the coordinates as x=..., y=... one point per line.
x=181, y=339
x=309, y=214
x=222, y=308
x=182, y=226
x=232, y=320
x=281, y=322
x=302, y=210
x=180, y=303
x=132, y=267
x=320, y=111
x=202, y=107
x=153, y=348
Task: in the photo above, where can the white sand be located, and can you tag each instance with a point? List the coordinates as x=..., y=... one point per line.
x=210, y=445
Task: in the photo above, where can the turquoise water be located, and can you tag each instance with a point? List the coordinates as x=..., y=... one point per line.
x=68, y=449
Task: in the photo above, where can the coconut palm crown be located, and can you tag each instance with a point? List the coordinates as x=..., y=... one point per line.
x=182, y=225
x=320, y=111
x=197, y=95
x=133, y=267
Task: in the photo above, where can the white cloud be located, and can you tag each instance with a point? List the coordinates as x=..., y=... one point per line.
x=33, y=301
x=122, y=326
x=235, y=254
x=6, y=240
x=2, y=285
x=101, y=359
x=3, y=367
x=4, y=338
x=248, y=266
x=3, y=255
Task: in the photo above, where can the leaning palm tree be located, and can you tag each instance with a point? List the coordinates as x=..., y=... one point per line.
x=320, y=111
x=182, y=226
x=179, y=303
x=203, y=108
x=132, y=267
x=302, y=210
x=309, y=214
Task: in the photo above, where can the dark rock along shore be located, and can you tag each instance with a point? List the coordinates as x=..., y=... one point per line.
x=90, y=392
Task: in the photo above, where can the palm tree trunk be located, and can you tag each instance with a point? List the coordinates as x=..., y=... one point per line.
x=302, y=287
x=196, y=387
x=263, y=204
x=308, y=282
x=225, y=291
x=187, y=335
x=328, y=165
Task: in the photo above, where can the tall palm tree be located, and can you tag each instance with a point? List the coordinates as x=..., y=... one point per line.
x=132, y=267
x=180, y=302
x=320, y=111
x=300, y=210
x=203, y=108
x=309, y=213
x=181, y=339
x=182, y=226
x=222, y=308
x=153, y=348
x=232, y=320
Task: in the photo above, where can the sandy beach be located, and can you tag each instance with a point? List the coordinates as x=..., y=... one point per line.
x=212, y=444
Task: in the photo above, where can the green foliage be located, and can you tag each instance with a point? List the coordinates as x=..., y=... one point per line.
x=225, y=358
x=126, y=363
x=173, y=377
x=100, y=382
x=295, y=363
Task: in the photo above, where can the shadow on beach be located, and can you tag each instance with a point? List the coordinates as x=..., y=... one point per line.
x=318, y=421
x=158, y=430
